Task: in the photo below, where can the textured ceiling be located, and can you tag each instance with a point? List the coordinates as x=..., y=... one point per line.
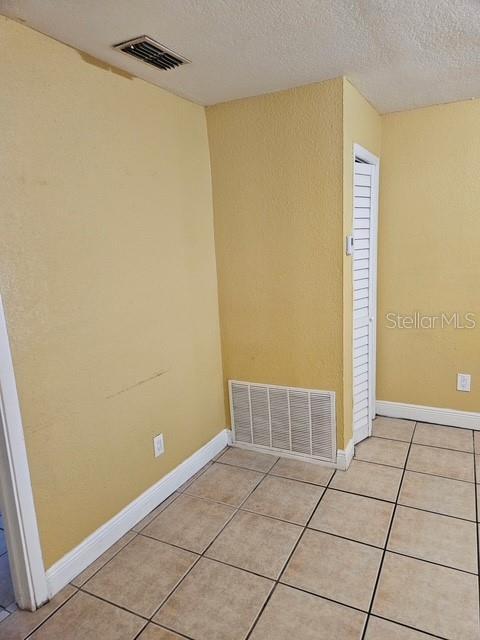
x=400, y=54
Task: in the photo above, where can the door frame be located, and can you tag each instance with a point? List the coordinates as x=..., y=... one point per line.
x=368, y=157
x=22, y=536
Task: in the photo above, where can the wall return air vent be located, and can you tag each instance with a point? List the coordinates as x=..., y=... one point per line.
x=151, y=52
x=284, y=419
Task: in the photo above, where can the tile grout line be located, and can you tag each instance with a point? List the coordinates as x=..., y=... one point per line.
x=236, y=510
x=172, y=497
x=295, y=546
x=278, y=581
x=407, y=626
x=375, y=586
x=80, y=588
x=314, y=529
x=135, y=534
x=40, y=624
x=114, y=604
x=163, y=627
x=304, y=528
x=424, y=444
x=199, y=473
x=401, y=504
x=423, y=473
x=199, y=556
x=202, y=555
x=393, y=552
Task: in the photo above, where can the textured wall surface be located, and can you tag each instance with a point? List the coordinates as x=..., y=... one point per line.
x=107, y=268
x=429, y=253
x=107, y=263
x=361, y=125
x=277, y=187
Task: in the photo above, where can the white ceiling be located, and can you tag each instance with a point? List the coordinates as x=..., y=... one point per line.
x=400, y=54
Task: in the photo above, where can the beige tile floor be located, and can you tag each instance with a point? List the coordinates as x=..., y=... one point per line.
x=260, y=548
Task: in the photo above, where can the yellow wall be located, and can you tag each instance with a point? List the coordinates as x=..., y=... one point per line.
x=107, y=263
x=429, y=253
x=277, y=188
x=107, y=269
x=361, y=125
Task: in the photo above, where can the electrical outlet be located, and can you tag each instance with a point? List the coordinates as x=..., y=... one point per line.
x=158, y=445
x=463, y=381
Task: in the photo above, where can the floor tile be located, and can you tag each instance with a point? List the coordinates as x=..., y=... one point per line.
x=253, y=460
x=84, y=616
x=393, y=428
x=102, y=560
x=141, y=575
x=153, y=632
x=3, y=543
x=351, y=516
x=390, y=452
x=429, y=536
x=292, y=614
x=442, y=495
x=191, y=480
x=6, y=587
x=476, y=441
x=285, y=499
x=190, y=522
x=20, y=624
x=379, y=629
x=225, y=483
x=215, y=602
x=441, y=462
x=338, y=569
x=477, y=468
x=373, y=480
x=3, y=614
x=447, y=437
x=155, y=512
x=303, y=471
x=256, y=543
x=429, y=598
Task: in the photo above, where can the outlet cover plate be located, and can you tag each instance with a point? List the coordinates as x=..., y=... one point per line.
x=463, y=381
x=158, y=445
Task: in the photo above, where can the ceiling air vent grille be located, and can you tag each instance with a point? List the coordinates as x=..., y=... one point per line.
x=151, y=52
x=284, y=419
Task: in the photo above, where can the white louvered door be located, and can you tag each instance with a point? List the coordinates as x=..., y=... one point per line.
x=364, y=298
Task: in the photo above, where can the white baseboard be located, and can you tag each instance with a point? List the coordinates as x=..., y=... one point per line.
x=345, y=456
x=74, y=562
x=342, y=462
x=435, y=415
x=362, y=433
x=281, y=453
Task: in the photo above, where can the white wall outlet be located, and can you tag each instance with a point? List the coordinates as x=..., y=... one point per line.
x=158, y=446
x=463, y=381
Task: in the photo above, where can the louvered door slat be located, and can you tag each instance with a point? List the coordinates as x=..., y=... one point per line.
x=362, y=273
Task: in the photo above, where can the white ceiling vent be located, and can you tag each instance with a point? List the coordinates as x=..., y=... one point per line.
x=284, y=419
x=151, y=52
